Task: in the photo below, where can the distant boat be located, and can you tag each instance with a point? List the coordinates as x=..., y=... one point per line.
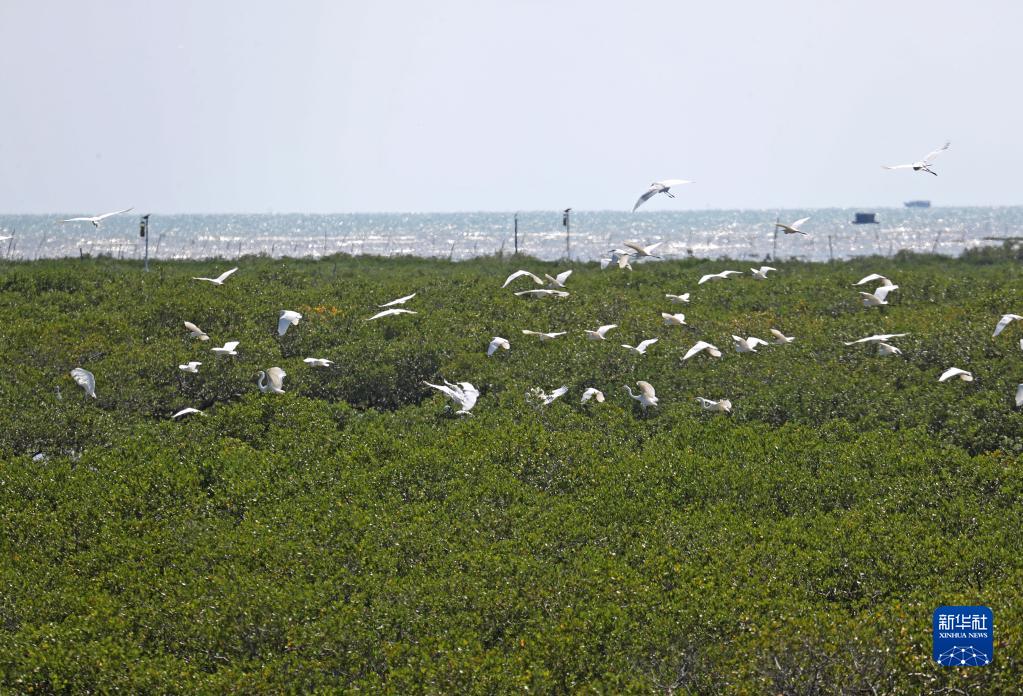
x=917, y=204
x=865, y=219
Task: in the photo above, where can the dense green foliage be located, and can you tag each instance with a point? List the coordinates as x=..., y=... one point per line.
x=354, y=534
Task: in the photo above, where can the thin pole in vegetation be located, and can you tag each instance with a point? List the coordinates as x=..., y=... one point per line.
x=567, y=222
x=774, y=249
x=831, y=252
x=10, y=244
x=934, y=247
x=144, y=233
x=516, y=234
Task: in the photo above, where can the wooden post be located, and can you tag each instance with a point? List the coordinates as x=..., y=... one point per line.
x=567, y=222
x=144, y=232
x=516, y=234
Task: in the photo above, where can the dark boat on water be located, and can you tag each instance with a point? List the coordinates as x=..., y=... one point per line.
x=865, y=219
x=917, y=204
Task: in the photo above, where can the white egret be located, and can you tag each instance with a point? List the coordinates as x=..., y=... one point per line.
x=722, y=275
x=497, y=342
x=96, y=219
x=228, y=349
x=542, y=293
x=519, y=274
x=463, y=394
x=619, y=257
x=956, y=372
x=887, y=349
x=592, y=393
x=781, y=338
x=547, y=399
x=196, y=332
x=646, y=396
x=1019, y=396
x=871, y=278
x=876, y=338
x=659, y=187
x=878, y=297
x=642, y=347
x=86, y=380
x=701, y=346
x=794, y=228
x=544, y=336
x=287, y=318
x=923, y=165
x=1005, y=321
x=557, y=281
x=185, y=412
x=399, y=301
x=390, y=313
x=748, y=345
x=192, y=367
x=600, y=333
x=272, y=380
x=721, y=406
x=318, y=362
x=642, y=251
x=679, y=299
x=674, y=319
x=761, y=273
x=219, y=280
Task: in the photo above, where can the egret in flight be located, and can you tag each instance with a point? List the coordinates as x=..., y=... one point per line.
x=642, y=251
x=748, y=345
x=876, y=338
x=761, y=273
x=95, y=220
x=679, y=299
x=86, y=380
x=192, y=367
x=722, y=275
x=592, y=393
x=228, y=349
x=887, y=349
x=721, y=406
x=642, y=347
x=781, y=338
x=219, y=280
x=542, y=293
x=701, y=346
x=390, y=313
x=399, y=301
x=271, y=381
x=497, y=342
x=600, y=333
x=1003, y=322
x=548, y=399
x=646, y=396
x=519, y=274
x=793, y=228
x=463, y=394
x=557, y=281
x=923, y=165
x=659, y=187
x=285, y=321
x=544, y=336
x=196, y=332
x=956, y=372
x=871, y=278
x=673, y=319
x=878, y=297
x=186, y=411
x=317, y=362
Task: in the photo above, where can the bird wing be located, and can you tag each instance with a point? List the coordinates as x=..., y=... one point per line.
x=871, y=277
x=283, y=323
x=447, y=391
x=85, y=379
x=931, y=155
x=653, y=190
x=706, y=403
x=605, y=328
x=104, y=216
x=753, y=342
x=646, y=344
x=668, y=183
x=707, y=277
x=897, y=166
x=765, y=269
x=192, y=327
x=798, y=223
x=469, y=395
x=496, y=343
x=779, y=334
x=700, y=345
x=230, y=345
x=519, y=274
x=1003, y=322
x=557, y=393
x=636, y=247
x=555, y=334
x=653, y=246
x=951, y=372
x=400, y=300
x=562, y=277
x=1019, y=396
x=276, y=376
x=882, y=292
x=647, y=389
x=225, y=275
x=531, y=333
x=79, y=219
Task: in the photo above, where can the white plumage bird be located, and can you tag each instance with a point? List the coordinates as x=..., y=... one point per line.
x=271, y=381
x=718, y=276
x=1005, y=321
x=702, y=346
x=544, y=336
x=463, y=394
x=642, y=347
x=720, y=406
x=1019, y=396
x=793, y=228
x=96, y=219
x=497, y=342
x=781, y=338
x=542, y=293
x=643, y=251
x=228, y=349
x=557, y=281
x=185, y=412
x=219, y=280
x=196, y=332
x=761, y=273
x=399, y=301
x=519, y=274
x=923, y=165
x=86, y=380
x=659, y=187
x=192, y=367
x=871, y=278
x=596, y=394
x=318, y=362
x=600, y=333
x=391, y=313
x=285, y=321
x=646, y=396
x=673, y=319
x=748, y=345
x=956, y=372
x=876, y=338
x=679, y=299
x=887, y=349
x=547, y=399
x=878, y=297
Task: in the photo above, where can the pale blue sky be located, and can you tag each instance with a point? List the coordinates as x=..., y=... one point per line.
x=253, y=106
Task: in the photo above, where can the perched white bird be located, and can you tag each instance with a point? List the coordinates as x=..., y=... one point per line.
x=871, y=278
x=700, y=346
x=659, y=187
x=679, y=299
x=228, y=349
x=219, y=280
x=878, y=297
x=544, y=336
x=399, y=301
x=887, y=349
x=794, y=228
x=1019, y=396
x=1005, y=321
x=272, y=380
x=923, y=165
x=519, y=274
x=646, y=396
x=761, y=273
x=86, y=380
x=463, y=394
x=497, y=342
x=186, y=411
x=318, y=362
x=956, y=372
x=721, y=406
x=557, y=281
x=673, y=319
x=391, y=312
x=542, y=293
x=781, y=338
x=192, y=366
x=592, y=393
x=876, y=338
x=642, y=251
x=722, y=275
x=285, y=321
x=547, y=399
x=600, y=334
x=642, y=347
x=196, y=332
x=748, y=345
x=95, y=220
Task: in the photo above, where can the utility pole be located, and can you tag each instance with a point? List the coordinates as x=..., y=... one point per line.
x=567, y=222
x=516, y=234
x=144, y=233
x=774, y=251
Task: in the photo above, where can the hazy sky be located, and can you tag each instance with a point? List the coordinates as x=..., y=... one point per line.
x=302, y=106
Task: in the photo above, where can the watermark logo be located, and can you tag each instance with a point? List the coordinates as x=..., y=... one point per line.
x=963, y=636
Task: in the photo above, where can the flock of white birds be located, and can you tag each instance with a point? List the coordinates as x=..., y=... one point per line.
x=464, y=395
